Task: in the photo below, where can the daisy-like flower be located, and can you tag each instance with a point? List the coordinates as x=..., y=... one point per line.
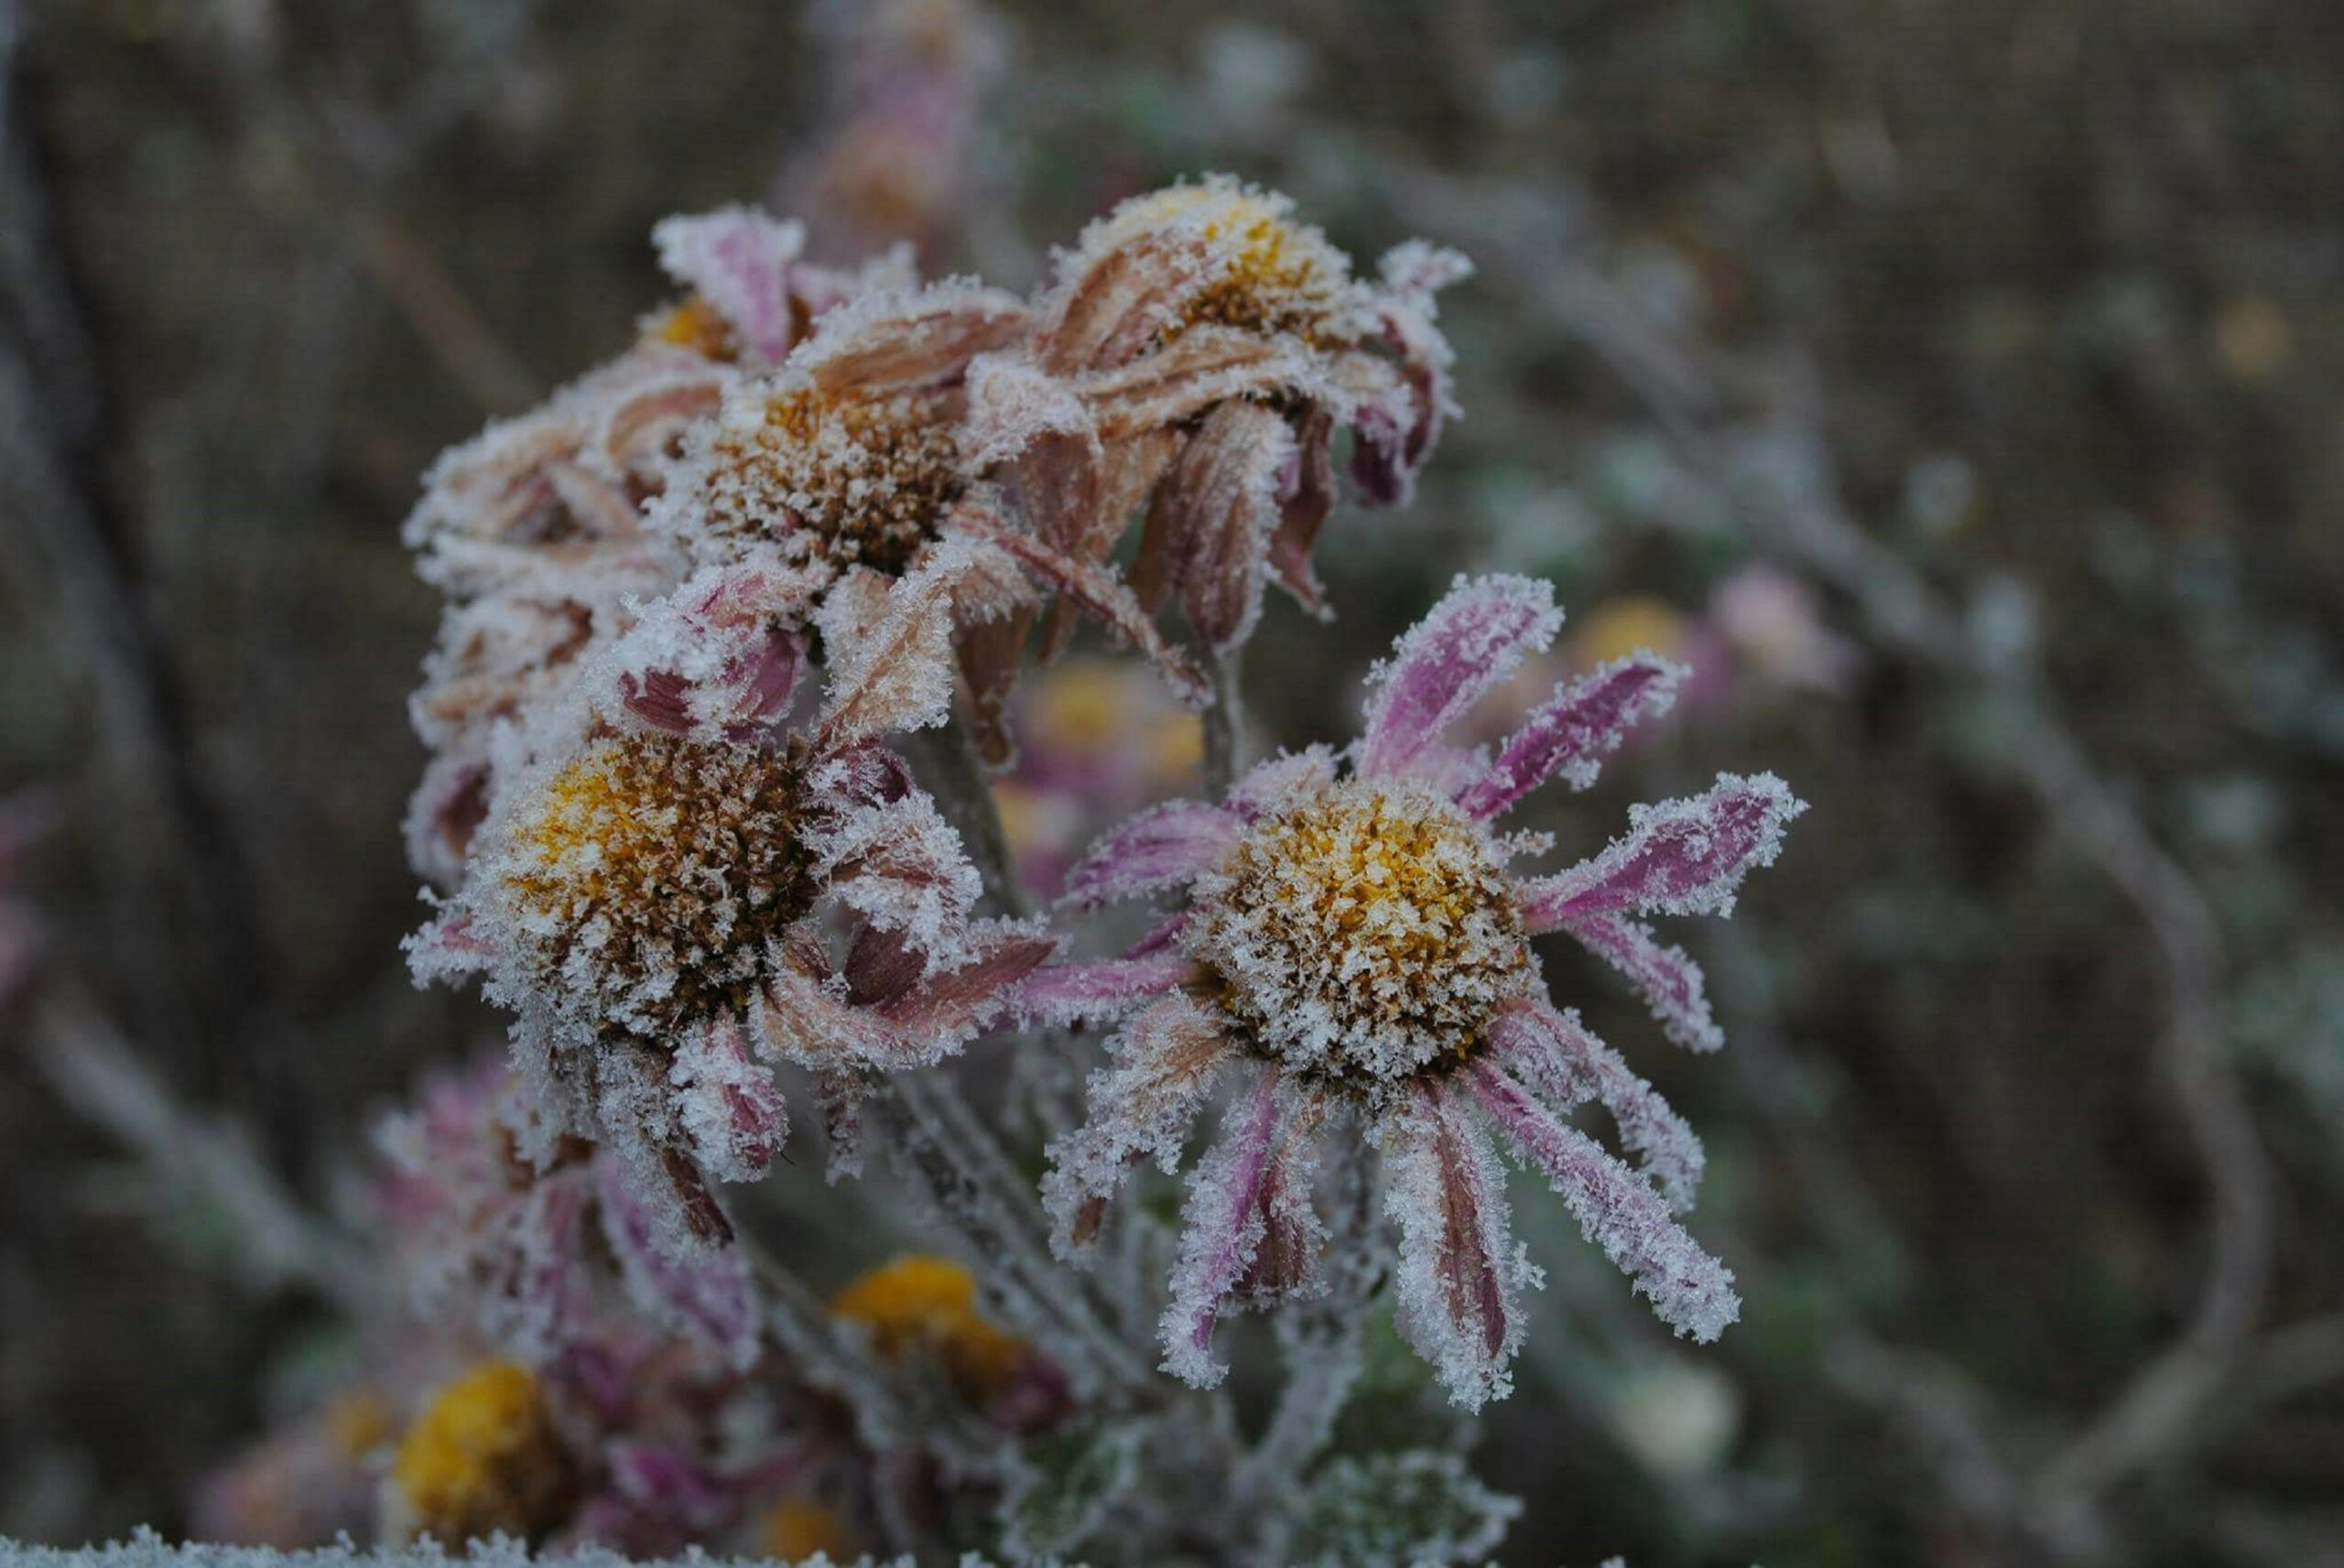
x=855, y=458
x=1354, y=949
x=1195, y=357
x=656, y=901
x=535, y=528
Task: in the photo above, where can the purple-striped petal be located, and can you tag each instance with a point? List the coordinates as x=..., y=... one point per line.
x=1618, y=1210
x=1166, y=1060
x=1575, y=730
x=707, y=1295
x=1459, y=1273
x=739, y=260
x=1156, y=849
x=1221, y=1227
x=1554, y=1055
x=1072, y=993
x=730, y=1109
x=1664, y=975
x=1680, y=857
x=1469, y=642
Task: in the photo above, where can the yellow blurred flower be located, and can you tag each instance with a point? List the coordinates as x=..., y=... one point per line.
x=920, y=1303
x=1619, y=626
x=482, y=1457
x=796, y=1528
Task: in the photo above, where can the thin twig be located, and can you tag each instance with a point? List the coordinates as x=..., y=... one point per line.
x=1224, y=721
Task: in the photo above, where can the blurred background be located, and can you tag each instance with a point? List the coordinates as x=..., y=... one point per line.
x=1954, y=384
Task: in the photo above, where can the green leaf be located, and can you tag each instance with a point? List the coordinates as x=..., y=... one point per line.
x=1418, y=1507
x=1071, y=1483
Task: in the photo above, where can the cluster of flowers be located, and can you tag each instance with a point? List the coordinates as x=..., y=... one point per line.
x=698, y=601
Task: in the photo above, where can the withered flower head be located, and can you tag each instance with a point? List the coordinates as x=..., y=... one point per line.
x=1353, y=945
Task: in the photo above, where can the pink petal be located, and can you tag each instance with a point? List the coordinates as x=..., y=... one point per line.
x=1618, y=1210
x=1279, y=781
x=739, y=260
x=1666, y=977
x=1469, y=642
x=1582, y=723
x=1554, y=1055
x=1222, y=1228
x=1158, y=849
x=707, y=1295
x=1166, y=1060
x=1459, y=1272
x=1069, y=993
x=729, y=1107
x=1681, y=856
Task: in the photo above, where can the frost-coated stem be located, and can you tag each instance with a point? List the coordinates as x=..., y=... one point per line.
x=956, y=776
x=977, y=1192
x=1321, y=1347
x=1225, y=722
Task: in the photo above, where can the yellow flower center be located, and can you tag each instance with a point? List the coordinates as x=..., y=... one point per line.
x=1363, y=935
x=646, y=880
x=482, y=1457
x=797, y=1528
x=1273, y=275
x=863, y=479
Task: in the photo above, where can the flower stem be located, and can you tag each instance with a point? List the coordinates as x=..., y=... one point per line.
x=1225, y=722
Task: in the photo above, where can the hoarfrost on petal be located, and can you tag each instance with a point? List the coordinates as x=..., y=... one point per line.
x=1481, y=629
x=1162, y=847
x=1459, y=1273
x=1166, y=1060
x=1618, y=1210
x=1221, y=1227
x=1555, y=1054
x=704, y=1293
x=1664, y=976
x=1680, y=857
x=1574, y=730
x=739, y=260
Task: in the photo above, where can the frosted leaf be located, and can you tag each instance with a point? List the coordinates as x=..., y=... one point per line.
x=730, y=1110
x=706, y=1294
x=1221, y=1227
x=1618, y=1210
x=1162, y=847
x=891, y=655
x=1066, y=994
x=1666, y=976
x=1554, y=1055
x=1574, y=730
x=1072, y=1483
x=738, y=259
x=1680, y=857
x=1465, y=645
x=1459, y=1272
x=1420, y=1506
x=1166, y=1060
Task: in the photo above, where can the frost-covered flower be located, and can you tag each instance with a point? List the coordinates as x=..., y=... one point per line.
x=535, y=528
x=536, y=1261
x=656, y=901
x=852, y=462
x=1353, y=948
x=1195, y=357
